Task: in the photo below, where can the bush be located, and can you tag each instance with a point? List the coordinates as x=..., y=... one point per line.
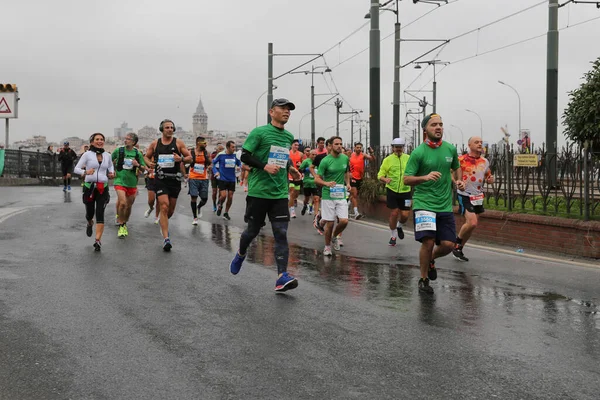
x=370, y=189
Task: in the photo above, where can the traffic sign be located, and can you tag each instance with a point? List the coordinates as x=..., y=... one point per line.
x=8, y=105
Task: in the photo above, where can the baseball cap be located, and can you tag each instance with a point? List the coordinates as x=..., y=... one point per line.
x=283, y=102
x=66, y=142
x=398, y=142
x=427, y=118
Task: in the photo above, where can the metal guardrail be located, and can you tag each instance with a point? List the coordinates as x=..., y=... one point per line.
x=31, y=164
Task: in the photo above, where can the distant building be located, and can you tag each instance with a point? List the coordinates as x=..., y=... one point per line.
x=200, y=120
x=122, y=131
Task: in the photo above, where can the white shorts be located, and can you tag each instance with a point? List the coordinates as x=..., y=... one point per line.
x=334, y=208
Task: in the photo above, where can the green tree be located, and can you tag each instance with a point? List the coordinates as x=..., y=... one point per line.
x=581, y=118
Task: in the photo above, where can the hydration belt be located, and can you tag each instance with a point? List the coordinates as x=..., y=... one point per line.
x=163, y=175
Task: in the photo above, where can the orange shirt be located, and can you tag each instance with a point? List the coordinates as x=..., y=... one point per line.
x=296, y=159
x=357, y=165
x=199, y=170
x=321, y=151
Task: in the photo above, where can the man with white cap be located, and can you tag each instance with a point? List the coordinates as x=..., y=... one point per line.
x=399, y=197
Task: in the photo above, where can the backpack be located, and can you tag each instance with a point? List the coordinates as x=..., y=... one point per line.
x=121, y=159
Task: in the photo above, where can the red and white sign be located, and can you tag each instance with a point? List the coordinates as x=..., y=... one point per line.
x=8, y=105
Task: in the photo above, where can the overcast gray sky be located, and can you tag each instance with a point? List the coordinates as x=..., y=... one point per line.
x=87, y=66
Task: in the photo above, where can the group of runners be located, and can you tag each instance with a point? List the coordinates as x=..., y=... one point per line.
x=275, y=170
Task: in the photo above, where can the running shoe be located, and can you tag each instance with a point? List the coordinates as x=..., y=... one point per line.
x=88, y=230
x=214, y=208
x=319, y=228
x=121, y=232
x=304, y=209
x=292, y=213
x=424, y=286
x=97, y=245
x=285, y=282
x=392, y=241
x=339, y=240
x=459, y=255
x=327, y=251
x=236, y=263
x=199, y=212
x=167, y=245
x=125, y=231
x=219, y=209
x=156, y=220
x=69, y=188
x=65, y=189
x=148, y=212
x=226, y=216
x=335, y=242
x=195, y=221
x=358, y=216
x=400, y=232
x=432, y=273
x=310, y=209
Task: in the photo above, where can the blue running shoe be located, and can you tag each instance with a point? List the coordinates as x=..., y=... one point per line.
x=285, y=282
x=167, y=245
x=214, y=209
x=236, y=263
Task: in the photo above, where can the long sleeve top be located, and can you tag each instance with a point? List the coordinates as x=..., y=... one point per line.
x=224, y=164
x=89, y=161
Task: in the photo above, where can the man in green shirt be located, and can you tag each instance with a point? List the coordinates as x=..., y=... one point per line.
x=128, y=161
x=334, y=176
x=310, y=188
x=429, y=171
x=399, y=197
x=267, y=151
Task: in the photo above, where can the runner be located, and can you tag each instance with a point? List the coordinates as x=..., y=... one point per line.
x=224, y=170
x=310, y=188
x=67, y=157
x=333, y=174
x=399, y=198
x=151, y=188
x=98, y=168
x=213, y=180
x=165, y=155
x=198, y=178
x=476, y=171
x=321, y=149
x=357, y=169
x=127, y=161
x=296, y=160
x=317, y=198
x=266, y=150
x=428, y=170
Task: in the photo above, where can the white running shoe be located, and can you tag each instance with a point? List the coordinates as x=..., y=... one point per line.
x=148, y=212
x=336, y=244
x=200, y=213
x=156, y=221
x=195, y=221
x=327, y=251
x=292, y=212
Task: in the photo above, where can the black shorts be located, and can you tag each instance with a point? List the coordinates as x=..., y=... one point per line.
x=169, y=187
x=310, y=191
x=357, y=183
x=445, y=229
x=402, y=201
x=214, y=183
x=224, y=185
x=151, y=184
x=464, y=204
x=257, y=209
x=66, y=169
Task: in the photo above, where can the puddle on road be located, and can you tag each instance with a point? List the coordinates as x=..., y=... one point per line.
x=466, y=299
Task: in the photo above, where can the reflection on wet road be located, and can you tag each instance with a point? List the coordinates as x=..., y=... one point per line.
x=462, y=301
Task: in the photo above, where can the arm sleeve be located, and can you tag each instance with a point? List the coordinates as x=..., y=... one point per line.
x=79, y=167
x=249, y=159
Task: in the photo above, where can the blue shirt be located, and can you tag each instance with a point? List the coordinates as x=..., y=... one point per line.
x=224, y=164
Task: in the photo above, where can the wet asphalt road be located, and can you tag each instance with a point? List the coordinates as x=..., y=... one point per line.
x=133, y=322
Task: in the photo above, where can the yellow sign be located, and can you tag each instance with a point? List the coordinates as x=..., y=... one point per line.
x=525, y=160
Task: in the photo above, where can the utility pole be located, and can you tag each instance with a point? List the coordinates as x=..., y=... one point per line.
x=396, y=109
x=552, y=92
x=374, y=76
x=312, y=105
x=269, y=80
x=338, y=104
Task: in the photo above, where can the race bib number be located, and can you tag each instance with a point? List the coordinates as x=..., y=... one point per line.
x=424, y=221
x=476, y=199
x=407, y=203
x=128, y=163
x=337, y=192
x=278, y=156
x=199, y=168
x=230, y=163
x=166, y=160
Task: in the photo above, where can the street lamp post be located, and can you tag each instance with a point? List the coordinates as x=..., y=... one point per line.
x=312, y=94
x=480, y=122
x=374, y=76
x=519, y=97
x=432, y=63
x=257, y=100
x=462, y=136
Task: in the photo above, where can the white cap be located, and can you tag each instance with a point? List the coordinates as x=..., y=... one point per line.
x=398, y=142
